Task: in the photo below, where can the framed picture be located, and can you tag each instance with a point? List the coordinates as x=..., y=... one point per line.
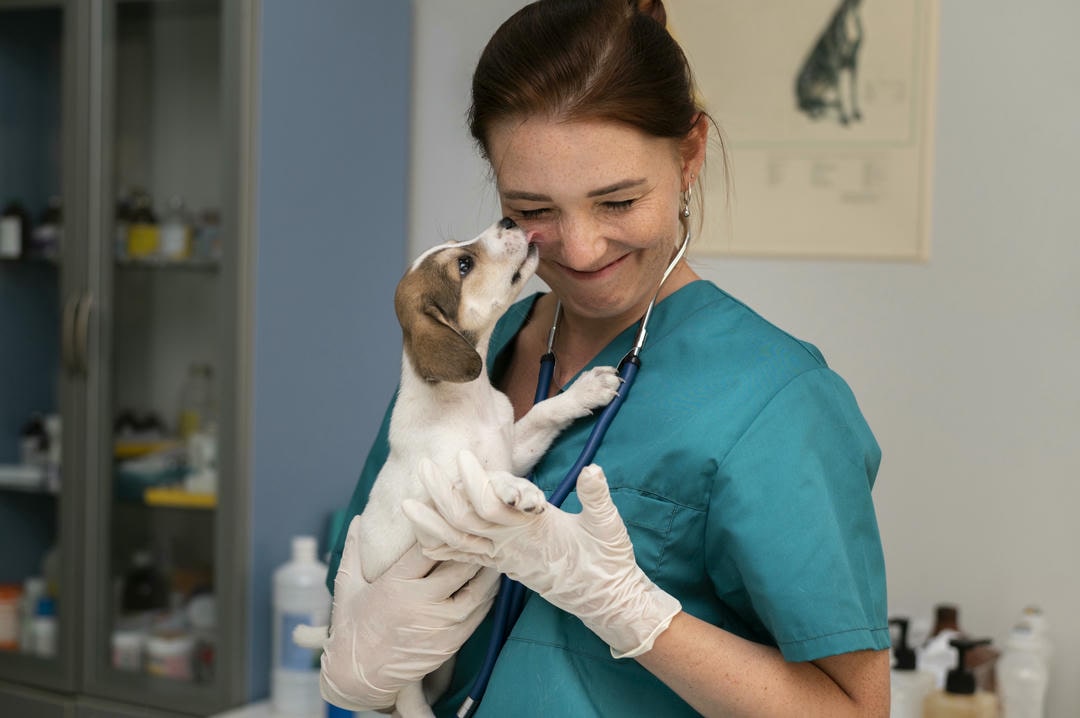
x=826, y=108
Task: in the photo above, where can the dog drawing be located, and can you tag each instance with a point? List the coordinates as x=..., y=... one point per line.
x=833, y=62
x=447, y=304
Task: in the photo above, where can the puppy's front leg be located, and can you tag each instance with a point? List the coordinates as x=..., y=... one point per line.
x=534, y=432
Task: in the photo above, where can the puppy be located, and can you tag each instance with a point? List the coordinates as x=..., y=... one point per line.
x=447, y=304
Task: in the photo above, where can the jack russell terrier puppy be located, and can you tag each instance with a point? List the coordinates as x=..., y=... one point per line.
x=448, y=303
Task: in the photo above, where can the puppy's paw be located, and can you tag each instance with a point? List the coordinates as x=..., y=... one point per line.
x=518, y=493
x=596, y=387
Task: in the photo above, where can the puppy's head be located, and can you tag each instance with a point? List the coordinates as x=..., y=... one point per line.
x=452, y=295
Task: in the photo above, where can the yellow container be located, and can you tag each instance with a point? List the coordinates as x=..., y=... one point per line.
x=143, y=240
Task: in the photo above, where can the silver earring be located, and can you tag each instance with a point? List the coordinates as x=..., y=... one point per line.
x=686, y=202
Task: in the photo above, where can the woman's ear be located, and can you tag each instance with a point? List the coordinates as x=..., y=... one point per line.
x=693, y=148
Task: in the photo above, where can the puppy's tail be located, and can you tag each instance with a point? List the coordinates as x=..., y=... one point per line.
x=313, y=637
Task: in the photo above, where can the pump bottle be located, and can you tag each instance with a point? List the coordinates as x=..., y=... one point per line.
x=1024, y=673
x=910, y=686
x=960, y=699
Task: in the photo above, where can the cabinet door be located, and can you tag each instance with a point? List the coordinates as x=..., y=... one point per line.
x=41, y=306
x=165, y=271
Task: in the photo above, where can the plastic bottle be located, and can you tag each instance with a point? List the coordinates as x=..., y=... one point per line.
x=34, y=589
x=1023, y=673
x=300, y=597
x=1036, y=620
x=176, y=231
x=197, y=400
x=10, y=596
x=14, y=231
x=145, y=589
x=960, y=699
x=910, y=686
x=43, y=629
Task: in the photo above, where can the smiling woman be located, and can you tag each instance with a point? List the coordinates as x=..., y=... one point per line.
x=722, y=557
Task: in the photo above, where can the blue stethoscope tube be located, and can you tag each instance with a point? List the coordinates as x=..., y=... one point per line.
x=511, y=598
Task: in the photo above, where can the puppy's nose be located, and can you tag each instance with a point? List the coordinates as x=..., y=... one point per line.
x=507, y=223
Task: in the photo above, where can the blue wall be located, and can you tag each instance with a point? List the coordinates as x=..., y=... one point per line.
x=331, y=226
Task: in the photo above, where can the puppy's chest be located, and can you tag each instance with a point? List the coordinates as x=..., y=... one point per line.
x=440, y=431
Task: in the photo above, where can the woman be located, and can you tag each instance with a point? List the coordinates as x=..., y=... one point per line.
x=726, y=559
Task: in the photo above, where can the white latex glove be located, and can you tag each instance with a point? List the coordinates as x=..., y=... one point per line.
x=581, y=563
x=397, y=629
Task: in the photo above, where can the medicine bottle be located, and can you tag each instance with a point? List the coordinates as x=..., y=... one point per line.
x=300, y=597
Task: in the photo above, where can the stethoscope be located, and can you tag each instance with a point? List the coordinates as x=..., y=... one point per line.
x=511, y=599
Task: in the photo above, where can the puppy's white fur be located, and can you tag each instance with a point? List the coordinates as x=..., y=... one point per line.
x=448, y=303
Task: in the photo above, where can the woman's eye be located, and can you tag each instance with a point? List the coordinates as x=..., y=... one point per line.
x=619, y=206
x=464, y=265
x=532, y=213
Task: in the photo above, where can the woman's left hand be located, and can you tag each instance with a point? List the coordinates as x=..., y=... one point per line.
x=581, y=563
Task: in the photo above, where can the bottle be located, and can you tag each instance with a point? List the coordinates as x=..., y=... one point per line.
x=1023, y=673
x=43, y=629
x=121, y=223
x=197, y=400
x=14, y=231
x=143, y=235
x=1034, y=617
x=49, y=232
x=960, y=698
x=144, y=588
x=33, y=591
x=300, y=597
x=176, y=231
x=910, y=686
x=938, y=655
x=10, y=595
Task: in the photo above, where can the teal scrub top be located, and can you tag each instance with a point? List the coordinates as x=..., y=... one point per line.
x=742, y=467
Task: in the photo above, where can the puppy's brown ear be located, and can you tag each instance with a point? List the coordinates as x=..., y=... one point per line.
x=426, y=304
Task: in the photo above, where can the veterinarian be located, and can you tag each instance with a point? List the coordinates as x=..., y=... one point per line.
x=722, y=557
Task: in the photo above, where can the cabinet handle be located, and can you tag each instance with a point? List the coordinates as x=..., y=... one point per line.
x=82, y=333
x=67, y=332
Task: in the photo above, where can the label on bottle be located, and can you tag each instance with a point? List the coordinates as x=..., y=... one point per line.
x=294, y=657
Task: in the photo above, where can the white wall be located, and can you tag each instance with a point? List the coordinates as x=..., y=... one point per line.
x=965, y=366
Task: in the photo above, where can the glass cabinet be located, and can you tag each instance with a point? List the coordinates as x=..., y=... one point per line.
x=39, y=491
x=121, y=123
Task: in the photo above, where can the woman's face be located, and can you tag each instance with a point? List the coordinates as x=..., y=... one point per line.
x=603, y=200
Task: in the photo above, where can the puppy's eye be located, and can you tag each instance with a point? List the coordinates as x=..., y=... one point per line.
x=464, y=265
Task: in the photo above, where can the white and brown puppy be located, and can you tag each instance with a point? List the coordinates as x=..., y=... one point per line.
x=448, y=303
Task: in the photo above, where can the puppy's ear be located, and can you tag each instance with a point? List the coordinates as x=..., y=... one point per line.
x=426, y=304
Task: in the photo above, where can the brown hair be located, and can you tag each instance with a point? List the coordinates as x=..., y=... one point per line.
x=586, y=59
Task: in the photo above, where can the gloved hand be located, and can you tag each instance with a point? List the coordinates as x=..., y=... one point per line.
x=581, y=563
x=397, y=629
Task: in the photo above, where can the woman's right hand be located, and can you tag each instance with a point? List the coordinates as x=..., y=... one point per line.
x=405, y=624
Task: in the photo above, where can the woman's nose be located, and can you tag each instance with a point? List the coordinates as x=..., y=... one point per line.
x=581, y=243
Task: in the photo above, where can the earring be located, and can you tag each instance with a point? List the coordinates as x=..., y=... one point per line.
x=686, y=202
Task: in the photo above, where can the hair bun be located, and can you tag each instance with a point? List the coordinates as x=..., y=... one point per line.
x=651, y=8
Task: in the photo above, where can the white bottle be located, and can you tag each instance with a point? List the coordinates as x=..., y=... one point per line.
x=1023, y=674
x=910, y=686
x=43, y=629
x=300, y=597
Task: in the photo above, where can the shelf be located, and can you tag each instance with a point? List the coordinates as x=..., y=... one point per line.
x=171, y=497
x=161, y=263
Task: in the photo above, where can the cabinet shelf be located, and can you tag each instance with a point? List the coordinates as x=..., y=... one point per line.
x=161, y=263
